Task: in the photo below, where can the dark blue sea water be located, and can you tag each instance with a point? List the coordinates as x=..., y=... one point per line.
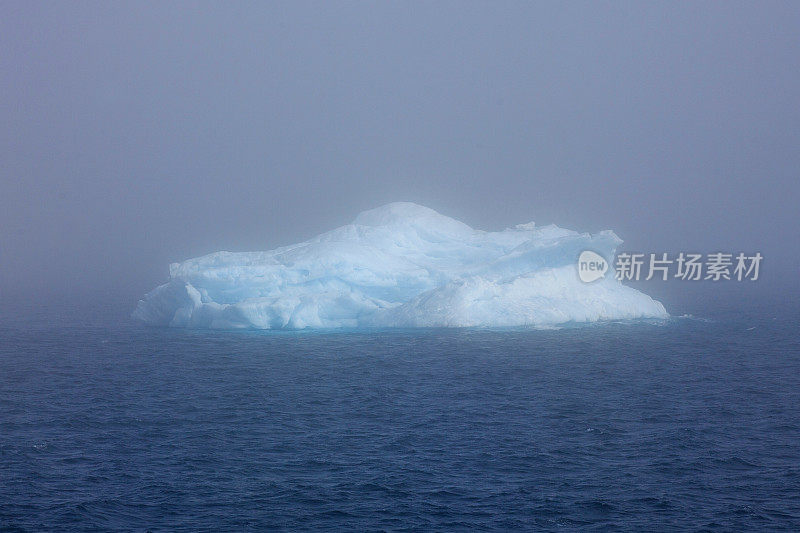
x=692, y=424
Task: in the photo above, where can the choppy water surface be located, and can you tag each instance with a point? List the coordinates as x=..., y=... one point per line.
x=689, y=424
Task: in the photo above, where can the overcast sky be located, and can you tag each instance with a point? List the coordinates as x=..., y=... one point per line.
x=136, y=134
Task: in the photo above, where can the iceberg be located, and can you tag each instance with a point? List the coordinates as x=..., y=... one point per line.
x=400, y=265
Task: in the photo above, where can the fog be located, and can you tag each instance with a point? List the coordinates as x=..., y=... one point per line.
x=137, y=134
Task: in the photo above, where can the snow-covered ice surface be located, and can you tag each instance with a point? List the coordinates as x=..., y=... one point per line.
x=400, y=265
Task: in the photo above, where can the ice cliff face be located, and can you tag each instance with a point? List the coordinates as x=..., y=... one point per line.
x=400, y=265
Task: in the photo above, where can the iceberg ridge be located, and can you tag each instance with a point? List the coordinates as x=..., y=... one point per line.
x=400, y=265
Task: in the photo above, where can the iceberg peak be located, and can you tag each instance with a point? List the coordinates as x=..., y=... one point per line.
x=401, y=265
x=399, y=213
x=407, y=214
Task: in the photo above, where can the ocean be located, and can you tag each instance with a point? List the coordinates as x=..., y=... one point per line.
x=686, y=424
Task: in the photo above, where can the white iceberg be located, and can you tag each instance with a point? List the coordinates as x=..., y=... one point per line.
x=400, y=265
